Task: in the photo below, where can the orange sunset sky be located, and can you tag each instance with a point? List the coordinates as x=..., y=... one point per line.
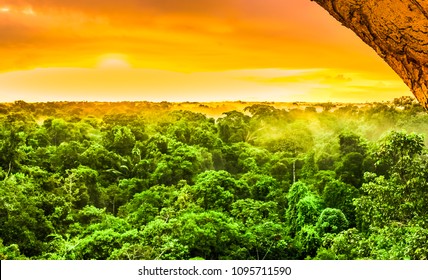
x=185, y=50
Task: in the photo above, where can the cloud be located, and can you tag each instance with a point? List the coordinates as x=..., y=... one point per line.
x=114, y=8
x=314, y=75
x=339, y=78
x=341, y=85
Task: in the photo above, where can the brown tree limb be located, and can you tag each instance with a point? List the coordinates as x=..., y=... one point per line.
x=396, y=29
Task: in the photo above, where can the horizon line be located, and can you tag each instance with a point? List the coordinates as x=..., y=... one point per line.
x=178, y=102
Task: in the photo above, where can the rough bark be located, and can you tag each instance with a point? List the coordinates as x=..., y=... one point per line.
x=396, y=29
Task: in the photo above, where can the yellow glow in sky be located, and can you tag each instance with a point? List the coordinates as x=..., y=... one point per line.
x=114, y=61
x=271, y=50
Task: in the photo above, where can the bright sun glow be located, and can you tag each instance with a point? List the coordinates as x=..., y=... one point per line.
x=28, y=11
x=5, y=9
x=114, y=61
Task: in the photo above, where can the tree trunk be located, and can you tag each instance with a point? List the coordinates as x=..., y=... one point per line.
x=396, y=29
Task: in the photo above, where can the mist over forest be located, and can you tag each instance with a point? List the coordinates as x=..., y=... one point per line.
x=232, y=180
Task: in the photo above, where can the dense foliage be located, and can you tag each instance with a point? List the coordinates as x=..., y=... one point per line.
x=144, y=181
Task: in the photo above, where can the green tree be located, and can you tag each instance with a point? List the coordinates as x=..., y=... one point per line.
x=398, y=152
x=304, y=208
x=120, y=140
x=144, y=207
x=209, y=234
x=340, y=195
x=214, y=190
x=350, y=142
x=234, y=127
x=332, y=220
x=22, y=221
